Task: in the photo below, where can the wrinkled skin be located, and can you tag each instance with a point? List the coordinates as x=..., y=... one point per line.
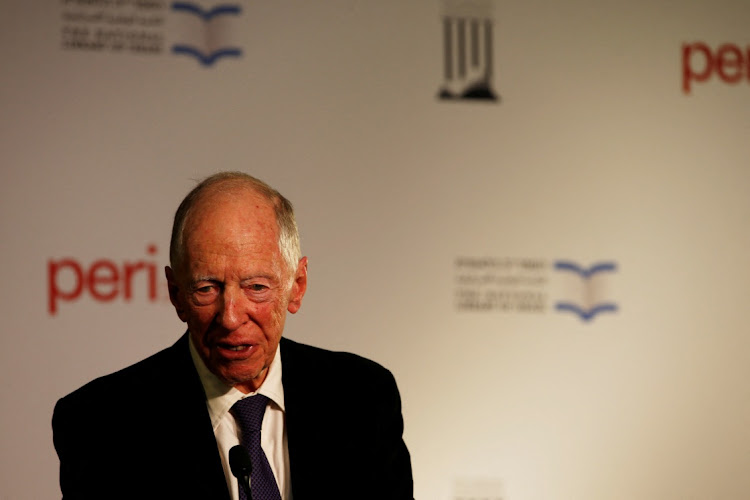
x=233, y=288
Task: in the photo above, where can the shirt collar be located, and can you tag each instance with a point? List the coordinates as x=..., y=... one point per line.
x=220, y=397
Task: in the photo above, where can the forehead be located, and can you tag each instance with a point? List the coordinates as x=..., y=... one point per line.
x=235, y=222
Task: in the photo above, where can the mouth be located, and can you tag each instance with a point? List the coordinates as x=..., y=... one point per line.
x=235, y=347
x=235, y=351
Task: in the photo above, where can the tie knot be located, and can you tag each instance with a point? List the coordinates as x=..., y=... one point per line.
x=249, y=412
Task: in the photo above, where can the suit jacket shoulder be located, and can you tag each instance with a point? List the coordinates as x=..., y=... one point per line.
x=141, y=432
x=344, y=426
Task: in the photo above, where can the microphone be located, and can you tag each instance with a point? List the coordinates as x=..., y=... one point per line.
x=239, y=462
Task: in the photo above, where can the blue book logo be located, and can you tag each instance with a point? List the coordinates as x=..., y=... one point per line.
x=204, y=50
x=589, y=302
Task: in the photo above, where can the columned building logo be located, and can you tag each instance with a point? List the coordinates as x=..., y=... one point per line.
x=468, y=51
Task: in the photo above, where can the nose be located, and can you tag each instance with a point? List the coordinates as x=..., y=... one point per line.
x=231, y=314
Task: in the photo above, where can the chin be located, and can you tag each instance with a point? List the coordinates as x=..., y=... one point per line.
x=235, y=377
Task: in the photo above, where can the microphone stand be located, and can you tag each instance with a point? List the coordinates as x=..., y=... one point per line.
x=241, y=466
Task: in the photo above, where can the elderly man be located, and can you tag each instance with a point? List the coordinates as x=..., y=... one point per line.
x=315, y=424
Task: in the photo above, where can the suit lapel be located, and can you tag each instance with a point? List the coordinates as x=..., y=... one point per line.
x=303, y=463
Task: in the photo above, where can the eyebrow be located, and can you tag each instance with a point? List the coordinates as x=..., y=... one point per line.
x=269, y=277
x=214, y=279
x=197, y=280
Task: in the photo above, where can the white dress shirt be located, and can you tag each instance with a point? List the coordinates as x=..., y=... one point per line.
x=220, y=398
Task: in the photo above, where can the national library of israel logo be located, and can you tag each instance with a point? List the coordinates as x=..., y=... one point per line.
x=467, y=51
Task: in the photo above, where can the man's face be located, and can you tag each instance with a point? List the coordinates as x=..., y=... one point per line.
x=233, y=288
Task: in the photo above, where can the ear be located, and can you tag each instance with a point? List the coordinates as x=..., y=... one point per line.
x=175, y=297
x=298, y=287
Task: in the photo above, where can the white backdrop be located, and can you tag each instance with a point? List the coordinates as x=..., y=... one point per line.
x=594, y=153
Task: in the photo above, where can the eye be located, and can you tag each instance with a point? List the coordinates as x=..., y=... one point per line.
x=257, y=290
x=206, y=294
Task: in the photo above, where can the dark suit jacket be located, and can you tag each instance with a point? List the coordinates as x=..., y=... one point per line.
x=144, y=432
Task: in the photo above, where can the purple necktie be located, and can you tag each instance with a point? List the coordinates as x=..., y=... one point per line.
x=249, y=414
